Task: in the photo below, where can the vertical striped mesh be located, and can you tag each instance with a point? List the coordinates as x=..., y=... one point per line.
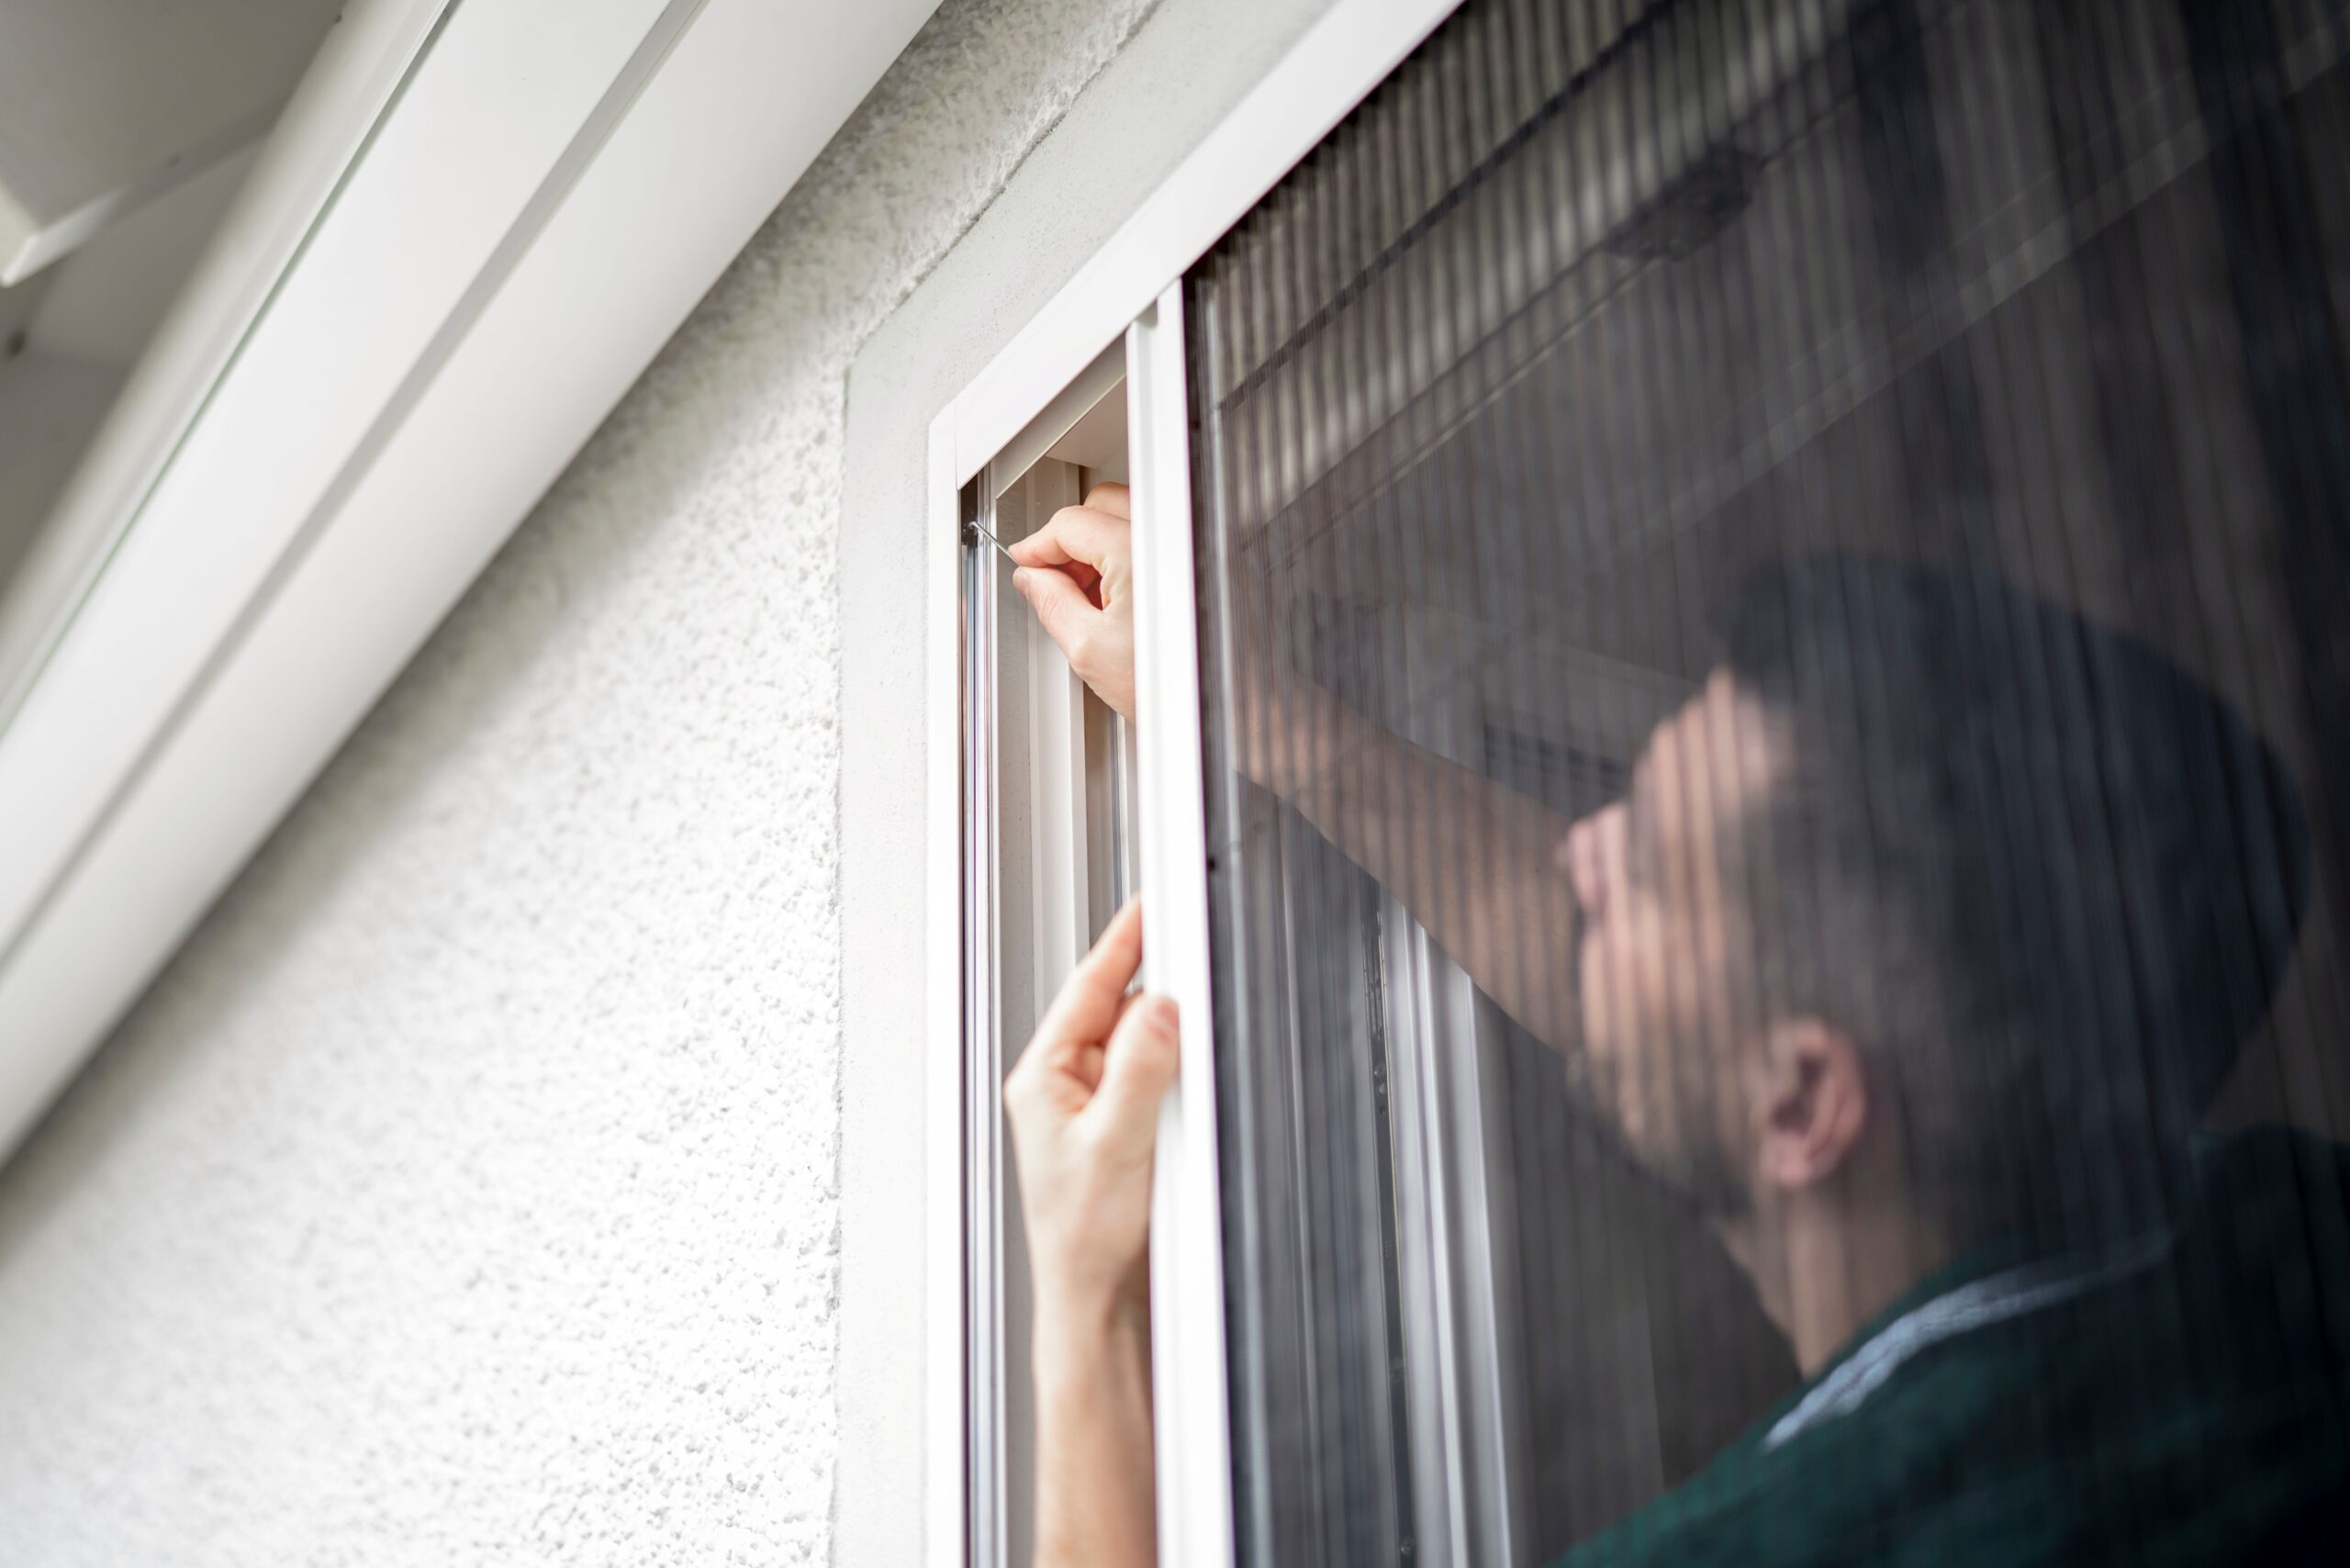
x=1754, y=544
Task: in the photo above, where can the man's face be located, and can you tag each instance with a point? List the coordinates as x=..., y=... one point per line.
x=1659, y=1055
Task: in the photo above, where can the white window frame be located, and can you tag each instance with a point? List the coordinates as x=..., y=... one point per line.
x=1130, y=291
x=465, y=239
x=1046, y=856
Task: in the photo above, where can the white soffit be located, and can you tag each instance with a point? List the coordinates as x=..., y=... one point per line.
x=1051, y=433
x=551, y=187
x=1097, y=442
x=105, y=103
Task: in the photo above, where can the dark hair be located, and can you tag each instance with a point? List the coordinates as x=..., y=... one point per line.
x=2041, y=873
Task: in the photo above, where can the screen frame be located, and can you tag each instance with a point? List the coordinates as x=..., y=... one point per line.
x=1127, y=293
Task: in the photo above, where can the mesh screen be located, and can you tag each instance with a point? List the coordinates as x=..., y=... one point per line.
x=1771, y=583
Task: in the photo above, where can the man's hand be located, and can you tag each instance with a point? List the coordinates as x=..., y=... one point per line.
x=1084, y=1108
x=1078, y=572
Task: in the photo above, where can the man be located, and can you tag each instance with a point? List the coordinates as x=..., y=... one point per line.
x=1914, y=954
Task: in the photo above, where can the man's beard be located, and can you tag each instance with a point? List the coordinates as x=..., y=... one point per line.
x=1700, y=1173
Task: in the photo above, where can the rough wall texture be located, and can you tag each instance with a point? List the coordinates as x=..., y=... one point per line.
x=467, y=1192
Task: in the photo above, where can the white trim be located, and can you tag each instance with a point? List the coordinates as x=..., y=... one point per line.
x=1188, y=1372
x=1059, y=416
x=1027, y=829
x=1060, y=877
x=1025, y=914
x=28, y=246
x=1333, y=67
x=945, y=1455
x=1040, y=923
x=414, y=382
x=1337, y=63
x=319, y=137
x=983, y=1129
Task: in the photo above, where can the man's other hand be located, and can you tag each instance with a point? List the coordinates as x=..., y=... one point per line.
x=1084, y=1107
x=1078, y=573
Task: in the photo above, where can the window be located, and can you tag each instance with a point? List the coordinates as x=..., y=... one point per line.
x=1049, y=857
x=1740, y=614
x=1941, y=373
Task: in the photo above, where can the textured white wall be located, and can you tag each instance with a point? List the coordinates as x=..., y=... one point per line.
x=467, y=1192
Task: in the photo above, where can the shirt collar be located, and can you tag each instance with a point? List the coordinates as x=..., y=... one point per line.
x=1971, y=1293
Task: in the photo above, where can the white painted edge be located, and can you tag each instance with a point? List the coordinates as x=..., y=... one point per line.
x=984, y=1132
x=1190, y=1373
x=309, y=612
x=1059, y=416
x=320, y=135
x=387, y=282
x=69, y=232
x=19, y=236
x=1337, y=63
x=945, y=1366
x=1331, y=69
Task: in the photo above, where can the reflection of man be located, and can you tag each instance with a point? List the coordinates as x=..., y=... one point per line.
x=1922, y=940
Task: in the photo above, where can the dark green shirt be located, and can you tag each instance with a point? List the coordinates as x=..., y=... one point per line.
x=2180, y=1400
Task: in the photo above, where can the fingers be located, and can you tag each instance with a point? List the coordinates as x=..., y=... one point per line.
x=1068, y=616
x=1088, y=1005
x=1111, y=497
x=1085, y=1066
x=1140, y=1065
x=1085, y=535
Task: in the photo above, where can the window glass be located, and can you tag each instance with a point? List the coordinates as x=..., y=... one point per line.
x=1776, y=678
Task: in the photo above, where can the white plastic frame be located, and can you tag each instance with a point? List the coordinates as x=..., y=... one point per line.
x=468, y=239
x=1037, y=820
x=1191, y=1407
x=1131, y=290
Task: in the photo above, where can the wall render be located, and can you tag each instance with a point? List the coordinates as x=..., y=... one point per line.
x=468, y=1189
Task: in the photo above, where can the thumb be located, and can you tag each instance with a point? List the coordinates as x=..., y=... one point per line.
x=1059, y=603
x=1139, y=1065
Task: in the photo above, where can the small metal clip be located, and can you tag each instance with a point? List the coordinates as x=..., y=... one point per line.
x=973, y=534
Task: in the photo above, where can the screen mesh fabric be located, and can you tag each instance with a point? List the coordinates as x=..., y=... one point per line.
x=1772, y=584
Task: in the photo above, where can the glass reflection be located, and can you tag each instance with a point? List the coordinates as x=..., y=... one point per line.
x=1775, y=675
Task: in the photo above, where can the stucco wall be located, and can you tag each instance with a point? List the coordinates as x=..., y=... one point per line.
x=475, y=1186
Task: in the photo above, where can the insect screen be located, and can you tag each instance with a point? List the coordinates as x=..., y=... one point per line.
x=1777, y=691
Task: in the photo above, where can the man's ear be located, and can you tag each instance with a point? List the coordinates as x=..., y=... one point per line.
x=1812, y=1102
